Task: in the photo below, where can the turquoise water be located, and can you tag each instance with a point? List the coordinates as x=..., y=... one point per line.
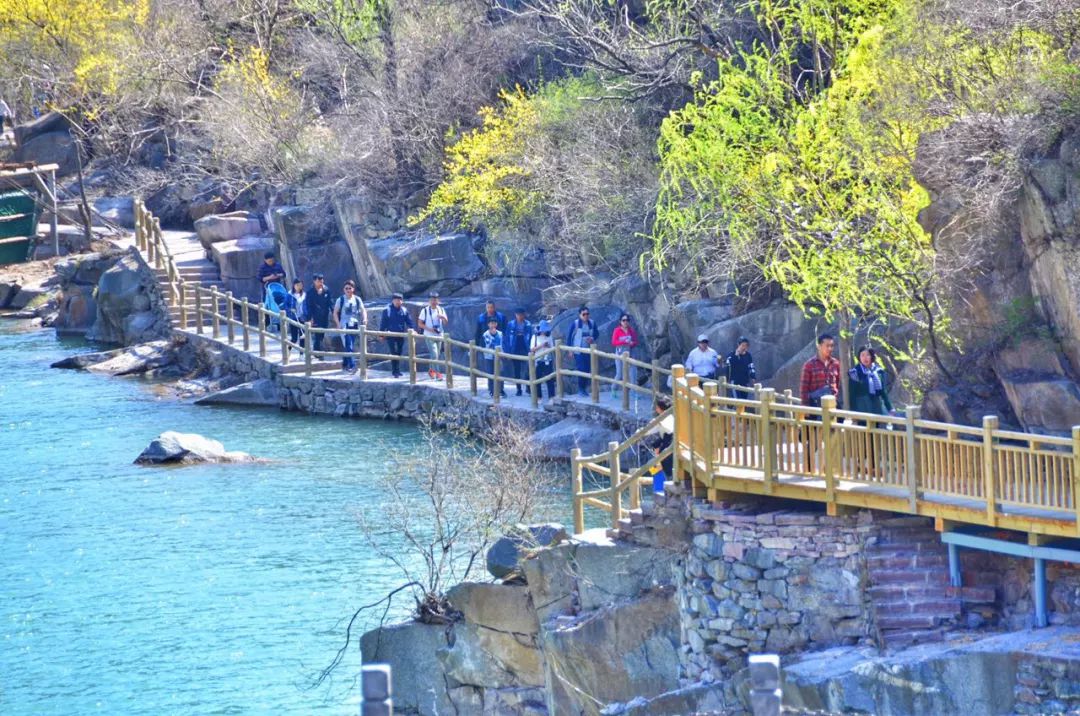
x=196, y=590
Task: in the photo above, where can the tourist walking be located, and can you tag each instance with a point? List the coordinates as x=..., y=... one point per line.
x=396, y=319
x=624, y=339
x=519, y=332
x=703, y=361
x=540, y=345
x=270, y=271
x=489, y=313
x=433, y=321
x=583, y=333
x=739, y=367
x=317, y=308
x=349, y=314
x=492, y=340
x=868, y=389
x=820, y=374
x=294, y=309
x=661, y=438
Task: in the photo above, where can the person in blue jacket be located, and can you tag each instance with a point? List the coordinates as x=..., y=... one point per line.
x=396, y=318
x=519, y=332
x=482, y=322
x=582, y=334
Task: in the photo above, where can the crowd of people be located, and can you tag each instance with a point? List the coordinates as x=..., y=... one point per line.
x=520, y=337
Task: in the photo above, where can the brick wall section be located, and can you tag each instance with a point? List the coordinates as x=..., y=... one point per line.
x=998, y=590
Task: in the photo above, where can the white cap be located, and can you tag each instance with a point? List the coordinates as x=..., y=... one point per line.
x=703, y=337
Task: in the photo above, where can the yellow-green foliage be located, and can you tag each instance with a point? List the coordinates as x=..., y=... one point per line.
x=490, y=170
x=86, y=42
x=813, y=181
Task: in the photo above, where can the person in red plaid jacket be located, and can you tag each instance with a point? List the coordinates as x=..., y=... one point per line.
x=820, y=374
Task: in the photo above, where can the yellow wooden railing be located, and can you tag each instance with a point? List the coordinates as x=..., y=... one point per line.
x=728, y=446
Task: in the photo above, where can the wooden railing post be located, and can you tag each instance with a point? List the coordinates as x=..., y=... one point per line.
x=229, y=327
x=615, y=474
x=183, y=305
x=533, y=387
x=692, y=432
x=828, y=405
x=160, y=241
x=496, y=393
x=594, y=373
x=448, y=360
x=216, y=326
x=766, y=436
x=625, y=380
x=678, y=414
x=245, y=320
x=1076, y=474
x=990, y=424
x=911, y=456
x=307, y=352
x=199, y=318
x=411, y=338
x=284, y=337
x=558, y=369
x=261, y=315
x=472, y=368
x=576, y=488
x=655, y=380
x=709, y=436
x=362, y=361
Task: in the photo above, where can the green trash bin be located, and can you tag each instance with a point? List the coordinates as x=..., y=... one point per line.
x=18, y=225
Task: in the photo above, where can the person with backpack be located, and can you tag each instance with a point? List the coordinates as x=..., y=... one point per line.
x=519, y=332
x=396, y=319
x=624, y=338
x=540, y=345
x=317, y=308
x=433, y=321
x=492, y=339
x=349, y=314
x=294, y=309
x=583, y=334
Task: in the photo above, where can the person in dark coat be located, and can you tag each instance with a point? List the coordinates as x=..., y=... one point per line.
x=317, y=308
x=869, y=389
x=482, y=322
x=516, y=338
x=739, y=367
x=396, y=318
x=270, y=271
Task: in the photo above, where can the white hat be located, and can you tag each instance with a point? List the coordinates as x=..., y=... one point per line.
x=702, y=337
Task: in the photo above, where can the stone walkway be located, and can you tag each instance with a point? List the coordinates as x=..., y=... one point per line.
x=640, y=404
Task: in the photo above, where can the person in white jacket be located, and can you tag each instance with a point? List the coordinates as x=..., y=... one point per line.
x=703, y=361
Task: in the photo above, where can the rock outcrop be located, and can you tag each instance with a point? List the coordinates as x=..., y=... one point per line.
x=130, y=308
x=263, y=392
x=172, y=448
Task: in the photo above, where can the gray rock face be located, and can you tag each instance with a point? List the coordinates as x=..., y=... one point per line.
x=414, y=263
x=556, y=441
x=262, y=392
x=238, y=260
x=46, y=140
x=131, y=361
x=610, y=653
x=129, y=305
x=118, y=210
x=492, y=659
x=776, y=333
x=500, y=607
x=84, y=360
x=177, y=205
x=235, y=225
x=332, y=259
x=172, y=448
x=411, y=648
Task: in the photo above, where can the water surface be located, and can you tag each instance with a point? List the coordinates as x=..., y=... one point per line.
x=195, y=590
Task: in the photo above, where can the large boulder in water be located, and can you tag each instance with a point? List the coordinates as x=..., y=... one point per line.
x=172, y=448
x=129, y=305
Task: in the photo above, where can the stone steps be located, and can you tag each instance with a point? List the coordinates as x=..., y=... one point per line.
x=909, y=584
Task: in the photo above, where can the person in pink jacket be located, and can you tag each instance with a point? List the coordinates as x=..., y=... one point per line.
x=624, y=338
